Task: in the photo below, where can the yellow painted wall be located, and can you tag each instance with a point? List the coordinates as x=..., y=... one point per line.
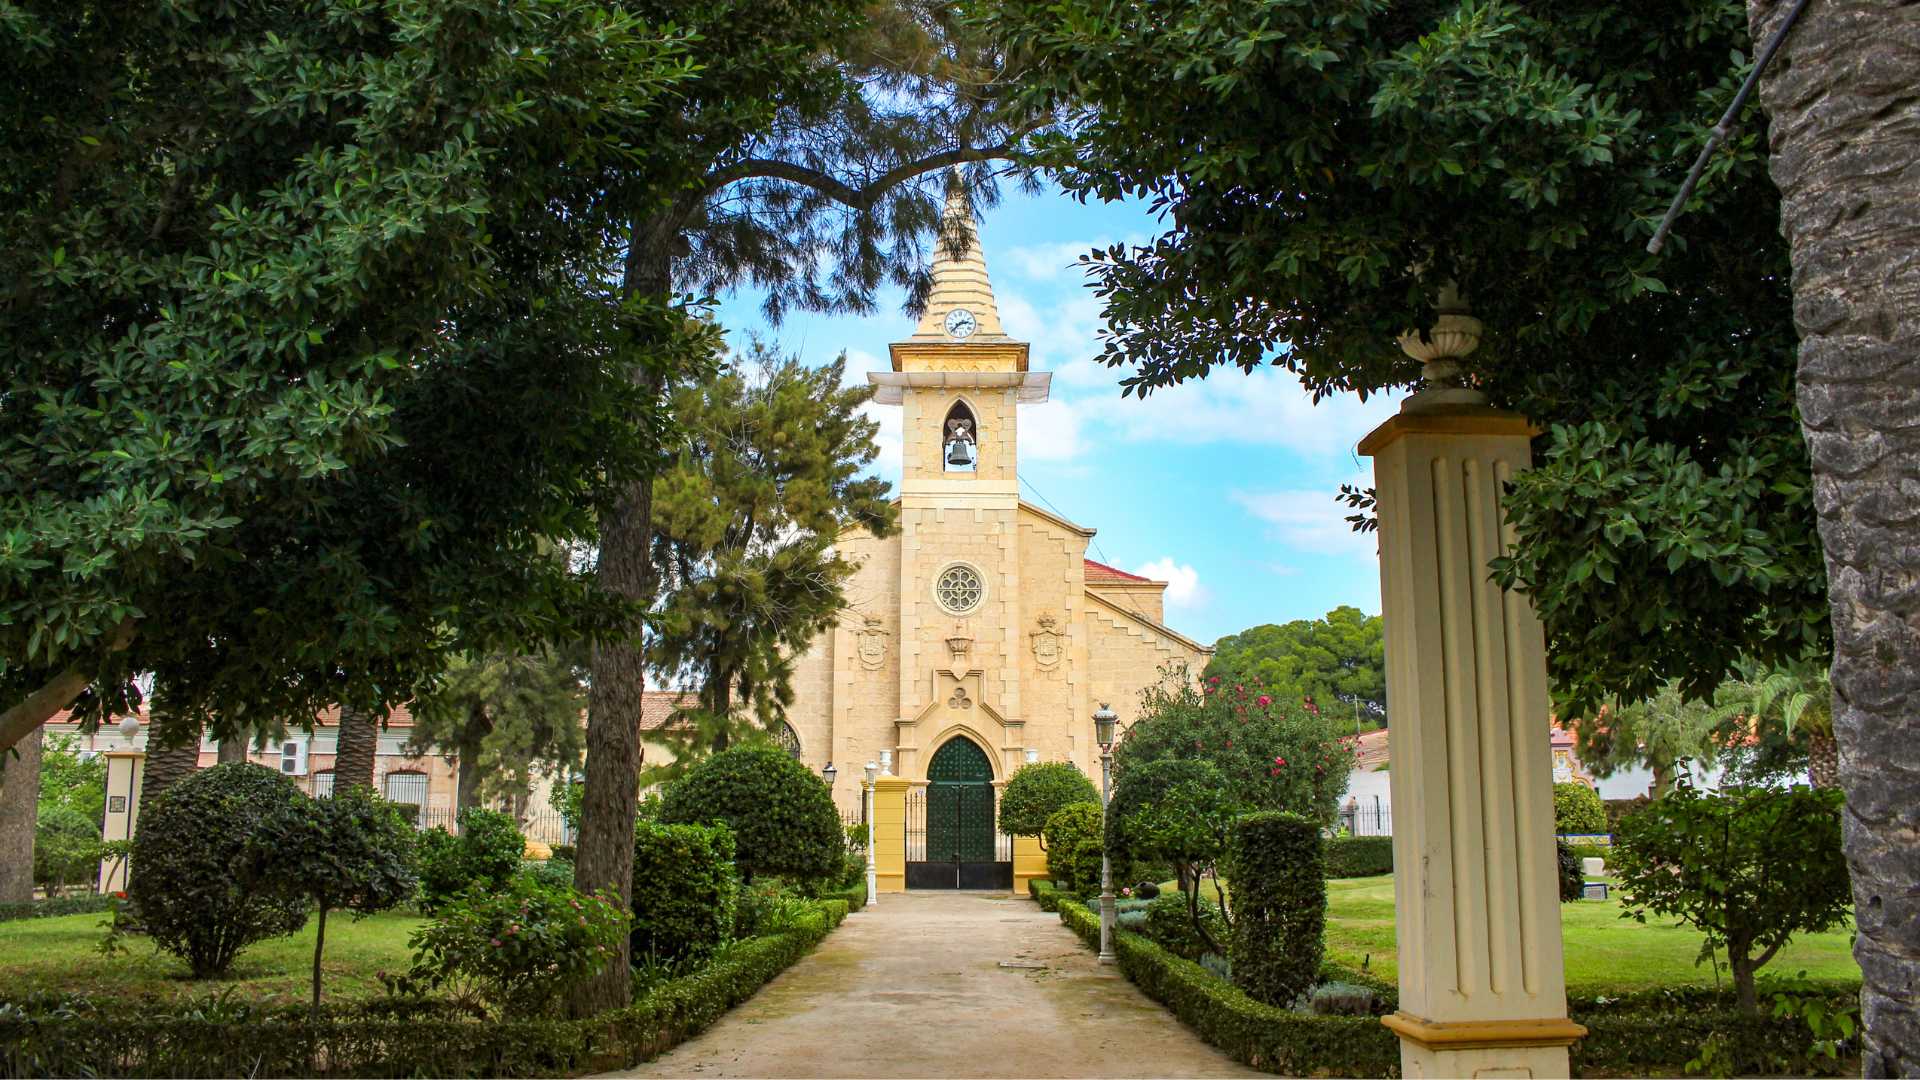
x=890, y=833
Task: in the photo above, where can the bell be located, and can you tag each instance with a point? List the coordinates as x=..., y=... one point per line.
x=959, y=452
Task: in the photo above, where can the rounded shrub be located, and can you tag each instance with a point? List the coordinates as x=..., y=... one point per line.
x=1072, y=840
x=1038, y=791
x=1572, y=881
x=1279, y=905
x=485, y=856
x=187, y=876
x=1577, y=810
x=66, y=848
x=781, y=815
x=684, y=893
x=1170, y=925
x=518, y=950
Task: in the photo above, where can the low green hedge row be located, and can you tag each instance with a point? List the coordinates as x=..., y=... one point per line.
x=1654, y=1033
x=854, y=896
x=1045, y=894
x=1359, y=856
x=1264, y=1036
x=347, y=1045
x=59, y=905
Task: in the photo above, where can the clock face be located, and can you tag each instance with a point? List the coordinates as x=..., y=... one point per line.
x=960, y=323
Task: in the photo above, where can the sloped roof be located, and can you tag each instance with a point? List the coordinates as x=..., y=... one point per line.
x=1099, y=573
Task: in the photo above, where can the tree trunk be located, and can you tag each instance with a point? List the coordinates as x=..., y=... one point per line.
x=604, y=852
x=467, y=785
x=232, y=750
x=1844, y=132
x=355, y=746
x=319, y=944
x=19, y=815
x=173, y=753
x=1743, y=988
x=1662, y=779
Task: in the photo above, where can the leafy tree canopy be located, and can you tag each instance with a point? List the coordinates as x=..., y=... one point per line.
x=1324, y=168
x=1338, y=663
x=1036, y=792
x=508, y=717
x=306, y=359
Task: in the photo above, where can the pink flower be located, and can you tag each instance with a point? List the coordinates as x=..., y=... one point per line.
x=1265, y=701
x=1229, y=744
x=496, y=943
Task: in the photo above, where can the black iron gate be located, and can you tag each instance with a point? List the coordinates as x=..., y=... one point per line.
x=951, y=839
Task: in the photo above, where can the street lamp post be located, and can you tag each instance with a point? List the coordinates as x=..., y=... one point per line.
x=873, y=877
x=1103, y=723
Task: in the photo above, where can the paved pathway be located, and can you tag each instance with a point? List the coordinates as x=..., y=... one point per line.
x=914, y=987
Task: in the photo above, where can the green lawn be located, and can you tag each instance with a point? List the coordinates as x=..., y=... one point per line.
x=61, y=955
x=1604, y=952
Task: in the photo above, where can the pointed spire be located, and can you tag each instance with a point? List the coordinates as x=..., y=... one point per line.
x=959, y=282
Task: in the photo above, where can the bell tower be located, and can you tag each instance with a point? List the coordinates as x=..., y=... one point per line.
x=959, y=380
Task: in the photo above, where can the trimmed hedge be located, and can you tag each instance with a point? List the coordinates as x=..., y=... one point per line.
x=1072, y=841
x=59, y=905
x=1654, y=1033
x=1280, y=906
x=1044, y=893
x=347, y=1045
x=1264, y=1036
x=684, y=890
x=1359, y=856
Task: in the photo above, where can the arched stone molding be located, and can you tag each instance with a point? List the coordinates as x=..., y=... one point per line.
x=958, y=703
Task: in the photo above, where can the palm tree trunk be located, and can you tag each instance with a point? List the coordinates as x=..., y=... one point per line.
x=357, y=743
x=173, y=753
x=19, y=813
x=1844, y=132
x=1823, y=759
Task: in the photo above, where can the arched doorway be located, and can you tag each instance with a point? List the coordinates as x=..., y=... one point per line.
x=958, y=847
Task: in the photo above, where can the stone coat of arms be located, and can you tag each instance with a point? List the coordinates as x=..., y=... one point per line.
x=1046, y=643
x=872, y=644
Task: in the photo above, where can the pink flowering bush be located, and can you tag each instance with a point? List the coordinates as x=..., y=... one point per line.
x=1273, y=754
x=515, y=953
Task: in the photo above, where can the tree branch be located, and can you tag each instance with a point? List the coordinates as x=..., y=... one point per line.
x=861, y=198
x=58, y=693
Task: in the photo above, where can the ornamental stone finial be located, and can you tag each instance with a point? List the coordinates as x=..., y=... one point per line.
x=1455, y=334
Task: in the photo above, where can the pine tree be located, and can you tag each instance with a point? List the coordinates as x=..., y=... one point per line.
x=504, y=718
x=745, y=525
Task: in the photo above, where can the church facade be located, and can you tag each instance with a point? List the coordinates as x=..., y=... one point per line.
x=979, y=636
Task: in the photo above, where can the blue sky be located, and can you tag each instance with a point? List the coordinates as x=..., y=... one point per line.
x=1223, y=487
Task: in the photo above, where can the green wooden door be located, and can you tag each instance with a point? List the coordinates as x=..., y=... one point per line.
x=960, y=804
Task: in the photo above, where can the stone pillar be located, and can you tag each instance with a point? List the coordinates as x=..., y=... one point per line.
x=1029, y=862
x=1476, y=899
x=890, y=832
x=126, y=770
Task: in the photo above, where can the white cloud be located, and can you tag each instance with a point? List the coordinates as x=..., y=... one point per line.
x=1268, y=407
x=888, y=465
x=1050, y=432
x=1056, y=261
x=1183, y=581
x=1311, y=520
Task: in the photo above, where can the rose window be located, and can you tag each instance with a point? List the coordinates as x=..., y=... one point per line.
x=959, y=589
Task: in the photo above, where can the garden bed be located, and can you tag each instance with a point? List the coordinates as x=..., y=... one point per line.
x=366, y=1042
x=1656, y=1033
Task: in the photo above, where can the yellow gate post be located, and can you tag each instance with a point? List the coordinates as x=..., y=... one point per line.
x=890, y=832
x=1476, y=899
x=1029, y=862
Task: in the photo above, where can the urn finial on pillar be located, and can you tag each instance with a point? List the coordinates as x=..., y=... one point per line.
x=1454, y=336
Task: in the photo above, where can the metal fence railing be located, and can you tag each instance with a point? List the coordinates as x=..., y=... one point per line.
x=542, y=823
x=1367, y=820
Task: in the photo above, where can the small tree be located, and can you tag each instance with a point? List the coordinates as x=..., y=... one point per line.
x=781, y=814
x=1749, y=868
x=1072, y=841
x=1037, y=791
x=352, y=852
x=1181, y=811
x=1577, y=809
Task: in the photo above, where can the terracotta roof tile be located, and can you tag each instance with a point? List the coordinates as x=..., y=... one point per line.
x=1099, y=573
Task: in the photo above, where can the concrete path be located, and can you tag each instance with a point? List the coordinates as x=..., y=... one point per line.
x=915, y=987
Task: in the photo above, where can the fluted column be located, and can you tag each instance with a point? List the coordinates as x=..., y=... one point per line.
x=1477, y=909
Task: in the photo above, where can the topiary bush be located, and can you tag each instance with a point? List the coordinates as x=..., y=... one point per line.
x=684, y=892
x=1577, y=810
x=66, y=848
x=782, y=816
x=1038, y=791
x=1279, y=905
x=1358, y=856
x=485, y=856
x=186, y=875
x=1072, y=841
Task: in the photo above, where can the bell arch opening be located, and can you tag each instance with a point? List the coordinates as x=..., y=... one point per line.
x=960, y=439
